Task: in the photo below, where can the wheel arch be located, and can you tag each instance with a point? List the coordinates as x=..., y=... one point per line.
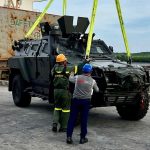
x=21, y=98
x=13, y=73
x=17, y=66
x=137, y=111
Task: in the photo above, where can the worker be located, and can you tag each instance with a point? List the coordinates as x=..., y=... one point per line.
x=84, y=85
x=62, y=95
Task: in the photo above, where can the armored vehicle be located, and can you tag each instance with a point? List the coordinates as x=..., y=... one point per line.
x=121, y=84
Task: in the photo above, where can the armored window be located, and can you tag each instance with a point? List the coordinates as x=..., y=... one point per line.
x=34, y=47
x=99, y=50
x=96, y=50
x=27, y=48
x=46, y=49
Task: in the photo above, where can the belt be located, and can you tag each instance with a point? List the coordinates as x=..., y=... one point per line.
x=82, y=99
x=59, y=75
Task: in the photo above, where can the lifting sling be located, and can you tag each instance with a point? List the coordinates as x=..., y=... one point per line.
x=64, y=7
x=39, y=19
x=90, y=35
x=123, y=30
x=42, y=15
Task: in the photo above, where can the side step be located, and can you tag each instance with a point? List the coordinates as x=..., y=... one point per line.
x=33, y=94
x=38, y=95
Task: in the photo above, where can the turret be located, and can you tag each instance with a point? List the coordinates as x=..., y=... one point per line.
x=67, y=28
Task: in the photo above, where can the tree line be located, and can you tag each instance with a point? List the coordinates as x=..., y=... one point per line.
x=136, y=57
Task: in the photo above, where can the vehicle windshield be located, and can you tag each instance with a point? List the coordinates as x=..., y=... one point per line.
x=99, y=49
x=96, y=49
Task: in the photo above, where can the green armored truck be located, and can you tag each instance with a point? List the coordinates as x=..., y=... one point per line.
x=122, y=85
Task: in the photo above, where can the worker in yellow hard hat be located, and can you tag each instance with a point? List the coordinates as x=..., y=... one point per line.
x=62, y=95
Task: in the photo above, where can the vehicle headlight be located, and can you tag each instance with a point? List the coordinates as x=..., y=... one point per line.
x=107, y=79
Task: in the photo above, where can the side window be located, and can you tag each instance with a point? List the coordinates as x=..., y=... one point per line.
x=27, y=48
x=34, y=47
x=46, y=49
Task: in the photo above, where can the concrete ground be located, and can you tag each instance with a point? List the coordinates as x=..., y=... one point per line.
x=30, y=129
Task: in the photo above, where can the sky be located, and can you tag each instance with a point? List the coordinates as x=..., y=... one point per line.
x=136, y=16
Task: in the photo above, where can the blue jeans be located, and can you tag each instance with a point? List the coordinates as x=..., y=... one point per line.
x=82, y=106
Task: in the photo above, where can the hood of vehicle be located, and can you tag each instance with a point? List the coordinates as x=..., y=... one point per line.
x=113, y=64
x=121, y=68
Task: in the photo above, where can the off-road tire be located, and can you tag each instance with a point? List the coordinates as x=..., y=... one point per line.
x=136, y=111
x=20, y=98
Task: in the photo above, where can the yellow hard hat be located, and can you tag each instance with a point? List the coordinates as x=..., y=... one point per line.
x=61, y=58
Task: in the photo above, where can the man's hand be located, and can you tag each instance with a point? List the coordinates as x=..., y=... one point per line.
x=72, y=73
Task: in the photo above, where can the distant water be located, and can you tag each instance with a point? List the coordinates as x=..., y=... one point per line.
x=142, y=63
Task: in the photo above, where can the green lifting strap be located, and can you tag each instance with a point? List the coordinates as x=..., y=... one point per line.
x=123, y=29
x=64, y=7
x=39, y=19
x=90, y=36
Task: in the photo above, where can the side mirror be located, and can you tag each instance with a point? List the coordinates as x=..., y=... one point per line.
x=111, y=48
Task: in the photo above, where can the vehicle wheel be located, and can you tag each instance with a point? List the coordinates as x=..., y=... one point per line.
x=137, y=111
x=21, y=98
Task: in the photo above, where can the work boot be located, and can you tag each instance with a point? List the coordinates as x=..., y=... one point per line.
x=62, y=130
x=83, y=140
x=54, y=128
x=69, y=140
